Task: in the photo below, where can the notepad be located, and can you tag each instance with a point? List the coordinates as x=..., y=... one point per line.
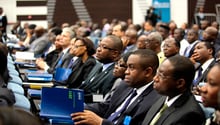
x=59, y=103
x=25, y=59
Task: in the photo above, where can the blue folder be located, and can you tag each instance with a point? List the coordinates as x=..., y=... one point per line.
x=34, y=93
x=38, y=76
x=58, y=103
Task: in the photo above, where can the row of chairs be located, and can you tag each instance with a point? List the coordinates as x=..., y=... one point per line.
x=15, y=84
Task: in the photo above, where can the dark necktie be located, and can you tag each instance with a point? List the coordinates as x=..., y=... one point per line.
x=71, y=63
x=196, y=80
x=114, y=117
x=186, y=52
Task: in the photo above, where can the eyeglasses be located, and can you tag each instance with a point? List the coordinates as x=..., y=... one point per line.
x=104, y=47
x=77, y=46
x=121, y=65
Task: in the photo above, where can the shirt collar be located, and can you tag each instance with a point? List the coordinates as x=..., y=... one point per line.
x=207, y=63
x=105, y=66
x=65, y=50
x=141, y=89
x=171, y=101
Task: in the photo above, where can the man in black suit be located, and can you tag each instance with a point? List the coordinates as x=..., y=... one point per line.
x=173, y=79
x=101, y=79
x=142, y=66
x=204, y=55
x=152, y=16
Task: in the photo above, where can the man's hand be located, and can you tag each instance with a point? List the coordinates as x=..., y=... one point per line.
x=86, y=117
x=40, y=63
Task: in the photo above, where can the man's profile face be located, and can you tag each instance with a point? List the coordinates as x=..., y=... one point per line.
x=104, y=50
x=135, y=75
x=164, y=82
x=117, y=31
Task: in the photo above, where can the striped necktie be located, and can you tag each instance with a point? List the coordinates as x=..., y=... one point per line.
x=114, y=117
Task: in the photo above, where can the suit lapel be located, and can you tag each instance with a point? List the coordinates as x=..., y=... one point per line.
x=121, y=99
x=153, y=110
x=204, y=74
x=178, y=103
x=99, y=77
x=139, y=98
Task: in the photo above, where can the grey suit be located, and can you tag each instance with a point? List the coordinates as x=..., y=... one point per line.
x=40, y=45
x=184, y=111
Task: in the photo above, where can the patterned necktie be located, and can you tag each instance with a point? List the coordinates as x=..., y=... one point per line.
x=157, y=116
x=114, y=116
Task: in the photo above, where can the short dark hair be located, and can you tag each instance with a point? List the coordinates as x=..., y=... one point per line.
x=56, y=31
x=165, y=26
x=209, y=45
x=125, y=56
x=118, y=45
x=177, y=43
x=17, y=116
x=183, y=68
x=89, y=45
x=149, y=59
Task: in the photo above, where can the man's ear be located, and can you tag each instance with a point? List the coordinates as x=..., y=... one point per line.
x=115, y=54
x=180, y=83
x=148, y=71
x=210, y=51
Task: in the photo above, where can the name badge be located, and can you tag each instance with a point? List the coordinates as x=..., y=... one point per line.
x=97, y=98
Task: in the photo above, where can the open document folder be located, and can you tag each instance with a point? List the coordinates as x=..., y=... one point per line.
x=58, y=103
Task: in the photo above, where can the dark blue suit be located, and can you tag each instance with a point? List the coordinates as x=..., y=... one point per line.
x=137, y=110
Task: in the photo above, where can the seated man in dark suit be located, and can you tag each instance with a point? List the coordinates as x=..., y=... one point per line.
x=178, y=106
x=101, y=79
x=142, y=66
x=204, y=55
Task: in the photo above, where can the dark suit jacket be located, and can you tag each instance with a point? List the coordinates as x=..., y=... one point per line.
x=203, y=76
x=101, y=83
x=184, y=111
x=4, y=23
x=65, y=62
x=51, y=57
x=80, y=72
x=137, y=110
x=192, y=50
